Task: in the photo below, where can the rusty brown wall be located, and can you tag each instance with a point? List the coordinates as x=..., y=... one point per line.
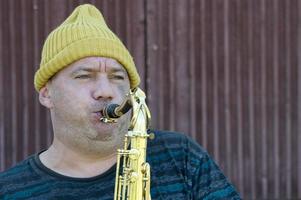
x=224, y=72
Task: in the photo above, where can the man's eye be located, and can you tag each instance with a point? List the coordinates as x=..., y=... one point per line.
x=118, y=77
x=83, y=76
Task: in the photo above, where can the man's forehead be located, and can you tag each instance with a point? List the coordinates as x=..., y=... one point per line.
x=95, y=64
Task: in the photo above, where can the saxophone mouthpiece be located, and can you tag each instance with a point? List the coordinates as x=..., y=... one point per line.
x=113, y=111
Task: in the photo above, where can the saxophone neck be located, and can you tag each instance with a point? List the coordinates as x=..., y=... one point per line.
x=140, y=114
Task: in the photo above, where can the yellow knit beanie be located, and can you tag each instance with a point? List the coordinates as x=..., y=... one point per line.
x=84, y=33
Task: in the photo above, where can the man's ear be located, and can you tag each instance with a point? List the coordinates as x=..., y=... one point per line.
x=45, y=98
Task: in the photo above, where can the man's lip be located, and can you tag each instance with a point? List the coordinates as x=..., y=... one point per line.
x=99, y=113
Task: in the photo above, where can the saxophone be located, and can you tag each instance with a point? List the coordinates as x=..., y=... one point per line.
x=132, y=171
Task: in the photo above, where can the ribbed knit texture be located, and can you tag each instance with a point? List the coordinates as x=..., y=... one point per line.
x=84, y=33
x=180, y=170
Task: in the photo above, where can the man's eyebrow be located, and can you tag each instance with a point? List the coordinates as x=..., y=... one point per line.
x=117, y=70
x=92, y=69
x=83, y=68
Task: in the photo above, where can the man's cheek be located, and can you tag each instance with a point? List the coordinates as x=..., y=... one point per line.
x=123, y=89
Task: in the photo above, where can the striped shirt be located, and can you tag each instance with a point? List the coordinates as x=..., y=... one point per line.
x=180, y=169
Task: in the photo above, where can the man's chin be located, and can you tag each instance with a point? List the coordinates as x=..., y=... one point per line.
x=102, y=136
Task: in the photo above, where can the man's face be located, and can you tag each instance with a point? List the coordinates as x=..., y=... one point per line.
x=78, y=94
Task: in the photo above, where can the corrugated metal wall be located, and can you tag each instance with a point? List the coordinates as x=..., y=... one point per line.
x=223, y=71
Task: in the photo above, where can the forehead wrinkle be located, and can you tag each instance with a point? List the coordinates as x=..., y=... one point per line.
x=114, y=66
x=86, y=65
x=84, y=68
x=102, y=64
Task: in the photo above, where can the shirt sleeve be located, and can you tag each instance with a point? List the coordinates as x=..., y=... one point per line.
x=207, y=181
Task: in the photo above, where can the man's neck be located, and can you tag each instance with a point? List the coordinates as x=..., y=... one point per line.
x=67, y=162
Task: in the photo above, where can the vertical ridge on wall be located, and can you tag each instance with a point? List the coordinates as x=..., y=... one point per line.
x=288, y=180
x=299, y=105
x=202, y=73
x=146, y=63
x=268, y=15
x=263, y=102
x=275, y=94
x=25, y=108
x=2, y=143
x=215, y=73
x=251, y=163
x=14, y=119
x=239, y=97
x=171, y=66
x=294, y=95
x=226, y=115
x=192, y=65
x=8, y=150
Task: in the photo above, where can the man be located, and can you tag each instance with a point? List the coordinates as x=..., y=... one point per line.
x=85, y=67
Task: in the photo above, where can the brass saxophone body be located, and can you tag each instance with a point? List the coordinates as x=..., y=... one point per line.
x=132, y=172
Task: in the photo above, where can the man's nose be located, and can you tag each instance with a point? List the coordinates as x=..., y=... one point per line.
x=103, y=89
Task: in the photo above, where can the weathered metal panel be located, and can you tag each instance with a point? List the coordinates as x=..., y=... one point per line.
x=224, y=72
x=227, y=76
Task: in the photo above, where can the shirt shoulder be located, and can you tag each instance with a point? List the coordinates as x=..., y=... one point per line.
x=175, y=140
x=12, y=178
x=173, y=157
x=176, y=145
x=180, y=162
x=31, y=180
x=17, y=169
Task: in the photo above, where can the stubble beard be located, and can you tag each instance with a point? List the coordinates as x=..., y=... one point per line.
x=84, y=139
